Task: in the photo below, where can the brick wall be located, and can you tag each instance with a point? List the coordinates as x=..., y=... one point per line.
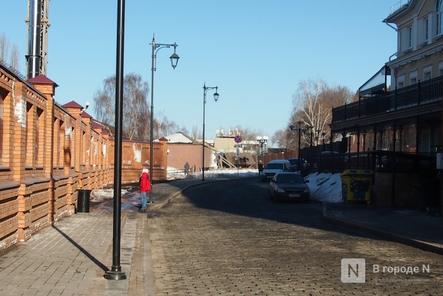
x=179, y=154
x=48, y=153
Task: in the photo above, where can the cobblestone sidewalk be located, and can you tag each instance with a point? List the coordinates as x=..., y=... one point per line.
x=72, y=257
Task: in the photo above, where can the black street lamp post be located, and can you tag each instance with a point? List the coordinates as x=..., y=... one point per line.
x=262, y=141
x=216, y=96
x=323, y=135
x=299, y=123
x=299, y=128
x=311, y=130
x=116, y=272
x=317, y=137
x=174, y=61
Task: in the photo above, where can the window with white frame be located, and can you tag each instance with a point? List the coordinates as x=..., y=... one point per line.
x=427, y=28
x=40, y=142
x=401, y=81
x=424, y=29
x=71, y=150
x=413, y=78
x=61, y=141
x=30, y=136
x=427, y=73
x=406, y=38
x=439, y=17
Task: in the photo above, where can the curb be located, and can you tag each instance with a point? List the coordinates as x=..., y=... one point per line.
x=384, y=234
x=169, y=199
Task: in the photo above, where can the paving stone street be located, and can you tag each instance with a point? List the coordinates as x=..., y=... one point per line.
x=229, y=239
x=220, y=238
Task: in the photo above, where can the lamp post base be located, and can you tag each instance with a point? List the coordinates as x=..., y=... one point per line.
x=115, y=275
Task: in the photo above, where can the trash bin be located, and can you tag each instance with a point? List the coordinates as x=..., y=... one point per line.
x=356, y=185
x=83, y=201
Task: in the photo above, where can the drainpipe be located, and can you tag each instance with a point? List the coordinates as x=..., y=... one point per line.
x=417, y=141
x=358, y=147
x=374, y=150
x=394, y=169
x=390, y=26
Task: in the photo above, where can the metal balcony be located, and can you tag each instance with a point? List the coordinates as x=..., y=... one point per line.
x=406, y=98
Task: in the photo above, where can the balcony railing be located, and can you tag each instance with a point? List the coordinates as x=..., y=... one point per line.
x=399, y=5
x=406, y=97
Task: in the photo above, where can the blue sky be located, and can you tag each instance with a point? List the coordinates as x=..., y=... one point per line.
x=256, y=51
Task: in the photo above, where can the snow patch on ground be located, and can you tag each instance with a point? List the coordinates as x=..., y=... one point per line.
x=174, y=174
x=325, y=187
x=98, y=195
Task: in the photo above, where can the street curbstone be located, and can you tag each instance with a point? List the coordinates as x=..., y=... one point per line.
x=382, y=234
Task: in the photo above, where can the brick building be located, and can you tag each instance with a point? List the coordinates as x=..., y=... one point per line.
x=48, y=152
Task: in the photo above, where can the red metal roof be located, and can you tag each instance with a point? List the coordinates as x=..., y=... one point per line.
x=42, y=79
x=73, y=104
x=86, y=115
x=96, y=125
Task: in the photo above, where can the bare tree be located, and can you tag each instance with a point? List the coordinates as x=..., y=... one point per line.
x=195, y=133
x=4, y=48
x=313, y=105
x=14, y=58
x=280, y=138
x=136, y=111
x=9, y=54
x=310, y=107
x=163, y=127
x=104, y=101
x=135, y=106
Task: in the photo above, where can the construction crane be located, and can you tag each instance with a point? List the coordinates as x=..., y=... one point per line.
x=38, y=24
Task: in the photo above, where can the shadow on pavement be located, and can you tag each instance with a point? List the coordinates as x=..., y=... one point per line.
x=81, y=249
x=250, y=197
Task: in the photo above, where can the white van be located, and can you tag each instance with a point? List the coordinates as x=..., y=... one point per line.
x=275, y=166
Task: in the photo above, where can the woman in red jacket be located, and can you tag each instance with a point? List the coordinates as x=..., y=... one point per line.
x=145, y=188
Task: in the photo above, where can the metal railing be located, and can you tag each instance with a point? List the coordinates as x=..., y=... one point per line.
x=390, y=161
x=398, y=5
x=406, y=97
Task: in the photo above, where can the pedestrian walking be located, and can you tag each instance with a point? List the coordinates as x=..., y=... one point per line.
x=187, y=166
x=260, y=167
x=145, y=189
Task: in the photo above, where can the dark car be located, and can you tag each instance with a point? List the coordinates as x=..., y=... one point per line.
x=289, y=186
x=293, y=164
x=274, y=167
x=297, y=164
